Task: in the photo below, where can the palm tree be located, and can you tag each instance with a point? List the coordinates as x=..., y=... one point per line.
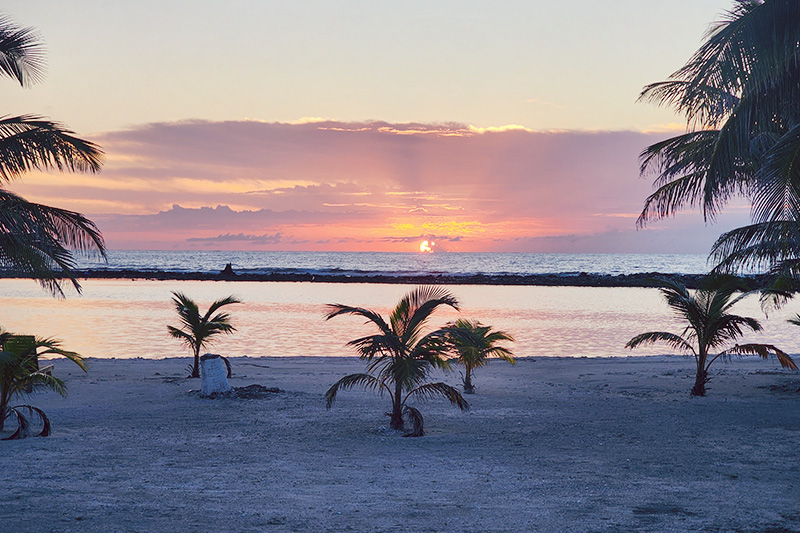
x=198, y=331
x=35, y=239
x=710, y=326
x=402, y=355
x=740, y=93
x=20, y=375
x=474, y=344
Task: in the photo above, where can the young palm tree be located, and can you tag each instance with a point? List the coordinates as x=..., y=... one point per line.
x=402, y=355
x=197, y=331
x=474, y=344
x=739, y=93
x=20, y=375
x=710, y=326
x=36, y=239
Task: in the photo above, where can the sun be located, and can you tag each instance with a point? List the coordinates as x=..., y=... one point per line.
x=426, y=247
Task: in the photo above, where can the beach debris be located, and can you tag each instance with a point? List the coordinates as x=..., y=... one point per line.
x=213, y=375
x=249, y=392
x=255, y=392
x=793, y=387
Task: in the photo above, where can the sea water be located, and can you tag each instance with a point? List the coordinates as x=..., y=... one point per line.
x=400, y=264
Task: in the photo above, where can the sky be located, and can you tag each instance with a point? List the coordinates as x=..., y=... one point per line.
x=365, y=125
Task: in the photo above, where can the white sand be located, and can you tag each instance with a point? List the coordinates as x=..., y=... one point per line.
x=549, y=445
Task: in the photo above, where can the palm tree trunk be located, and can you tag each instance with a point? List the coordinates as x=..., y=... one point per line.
x=4, y=400
x=396, y=420
x=469, y=388
x=700, y=380
x=196, y=367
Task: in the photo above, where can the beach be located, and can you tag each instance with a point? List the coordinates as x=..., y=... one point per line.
x=549, y=444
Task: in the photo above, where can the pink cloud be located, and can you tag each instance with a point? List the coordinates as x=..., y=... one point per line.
x=334, y=185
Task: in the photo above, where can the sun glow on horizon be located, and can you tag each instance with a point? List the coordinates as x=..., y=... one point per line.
x=426, y=247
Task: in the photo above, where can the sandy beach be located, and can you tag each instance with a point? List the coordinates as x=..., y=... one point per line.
x=551, y=444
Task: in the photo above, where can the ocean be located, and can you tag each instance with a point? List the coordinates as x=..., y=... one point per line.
x=401, y=264
x=125, y=319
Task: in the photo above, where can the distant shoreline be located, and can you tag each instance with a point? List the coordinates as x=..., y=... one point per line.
x=581, y=279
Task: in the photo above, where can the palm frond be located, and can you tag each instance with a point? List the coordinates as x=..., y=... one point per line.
x=50, y=346
x=200, y=329
x=24, y=423
x=416, y=420
x=416, y=308
x=670, y=339
x=180, y=334
x=222, y=317
x=408, y=371
x=31, y=142
x=756, y=245
x=354, y=380
x=776, y=189
x=40, y=241
x=729, y=328
x=429, y=391
x=765, y=351
x=21, y=53
x=432, y=348
x=335, y=310
x=701, y=102
x=376, y=346
x=37, y=380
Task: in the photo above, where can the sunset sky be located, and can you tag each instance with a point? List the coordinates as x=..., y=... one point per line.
x=365, y=125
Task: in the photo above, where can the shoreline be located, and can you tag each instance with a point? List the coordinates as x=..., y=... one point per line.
x=549, y=444
x=582, y=279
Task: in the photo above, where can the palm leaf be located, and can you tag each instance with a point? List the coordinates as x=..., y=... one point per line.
x=416, y=308
x=50, y=346
x=376, y=346
x=765, y=351
x=222, y=317
x=31, y=142
x=21, y=53
x=757, y=245
x=39, y=240
x=416, y=420
x=430, y=391
x=776, y=191
x=670, y=339
x=367, y=381
x=181, y=335
x=38, y=380
x=335, y=310
x=24, y=422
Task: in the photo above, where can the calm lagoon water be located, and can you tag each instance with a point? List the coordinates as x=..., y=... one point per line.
x=125, y=319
